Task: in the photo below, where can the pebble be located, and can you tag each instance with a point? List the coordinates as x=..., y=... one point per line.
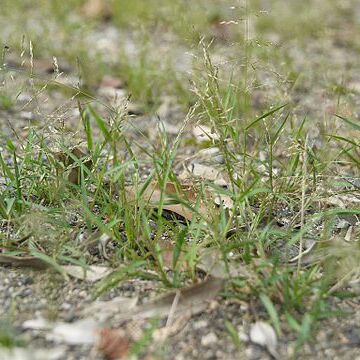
x=26, y=292
x=28, y=281
x=209, y=339
x=200, y=324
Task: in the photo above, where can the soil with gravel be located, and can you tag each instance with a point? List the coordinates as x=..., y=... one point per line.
x=29, y=294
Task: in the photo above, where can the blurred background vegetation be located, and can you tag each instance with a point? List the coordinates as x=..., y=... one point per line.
x=145, y=42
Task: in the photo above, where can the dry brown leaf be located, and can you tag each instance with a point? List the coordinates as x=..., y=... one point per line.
x=167, y=251
x=68, y=162
x=92, y=273
x=189, y=301
x=342, y=201
x=186, y=193
x=114, y=344
x=192, y=300
x=43, y=66
x=212, y=174
x=25, y=261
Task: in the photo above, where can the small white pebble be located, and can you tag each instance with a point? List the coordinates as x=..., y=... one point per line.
x=200, y=324
x=66, y=306
x=209, y=339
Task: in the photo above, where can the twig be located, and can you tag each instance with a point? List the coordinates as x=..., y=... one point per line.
x=302, y=211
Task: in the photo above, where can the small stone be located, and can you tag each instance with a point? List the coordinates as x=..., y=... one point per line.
x=82, y=294
x=200, y=324
x=70, y=316
x=26, y=292
x=28, y=280
x=65, y=306
x=27, y=115
x=209, y=339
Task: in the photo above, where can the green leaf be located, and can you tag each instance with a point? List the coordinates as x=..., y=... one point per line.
x=349, y=122
x=270, y=308
x=101, y=124
x=180, y=240
x=305, y=330
x=264, y=116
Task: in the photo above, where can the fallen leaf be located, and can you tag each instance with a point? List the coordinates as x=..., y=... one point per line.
x=336, y=201
x=92, y=273
x=84, y=331
x=261, y=333
x=113, y=343
x=44, y=66
x=167, y=252
x=184, y=193
x=23, y=261
x=72, y=167
x=193, y=300
x=212, y=174
x=342, y=201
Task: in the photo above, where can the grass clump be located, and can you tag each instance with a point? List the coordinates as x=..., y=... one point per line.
x=290, y=182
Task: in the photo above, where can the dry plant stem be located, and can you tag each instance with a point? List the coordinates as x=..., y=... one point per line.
x=342, y=281
x=170, y=318
x=302, y=211
x=31, y=59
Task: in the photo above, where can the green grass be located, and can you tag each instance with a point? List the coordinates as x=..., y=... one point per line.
x=8, y=337
x=270, y=158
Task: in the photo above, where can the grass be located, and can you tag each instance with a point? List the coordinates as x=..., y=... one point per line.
x=271, y=160
x=8, y=337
